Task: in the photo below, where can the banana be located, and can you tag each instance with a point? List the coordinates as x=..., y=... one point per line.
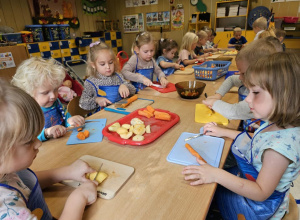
x=139, y=129
x=126, y=136
x=114, y=126
x=138, y=138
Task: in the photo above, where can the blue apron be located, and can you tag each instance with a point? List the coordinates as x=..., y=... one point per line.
x=190, y=58
x=35, y=203
x=145, y=72
x=168, y=71
x=54, y=116
x=232, y=204
x=112, y=92
x=246, y=123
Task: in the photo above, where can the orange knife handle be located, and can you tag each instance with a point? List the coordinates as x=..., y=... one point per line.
x=193, y=152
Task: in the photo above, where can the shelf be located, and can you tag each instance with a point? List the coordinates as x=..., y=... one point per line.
x=233, y=16
x=230, y=1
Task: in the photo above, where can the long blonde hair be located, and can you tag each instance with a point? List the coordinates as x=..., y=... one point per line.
x=188, y=39
x=22, y=119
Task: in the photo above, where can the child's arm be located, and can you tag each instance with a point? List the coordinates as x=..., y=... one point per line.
x=129, y=68
x=230, y=82
x=160, y=75
x=131, y=89
x=165, y=64
x=212, y=129
x=87, y=100
x=273, y=167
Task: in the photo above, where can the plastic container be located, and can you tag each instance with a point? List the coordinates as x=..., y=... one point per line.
x=290, y=20
x=211, y=70
x=12, y=37
x=37, y=32
x=50, y=32
x=64, y=31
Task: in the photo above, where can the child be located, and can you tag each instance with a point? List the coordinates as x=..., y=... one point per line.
x=259, y=25
x=244, y=58
x=165, y=53
x=280, y=34
x=238, y=39
x=41, y=79
x=187, y=55
x=267, y=163
x=20, y=188
x=267, y=33
x=140, y=67
x=103, y=86
x=202, y=39
x=276, y=43
x=209, y=45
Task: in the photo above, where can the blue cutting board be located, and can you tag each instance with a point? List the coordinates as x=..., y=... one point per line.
x=95, y=129
x=210, y=149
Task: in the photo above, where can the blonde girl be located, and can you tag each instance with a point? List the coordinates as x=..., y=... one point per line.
x=269, y=161
x=187, y=55
x=141, y=66
x=259, y=25
x=20, y=188
x=104, y=85
x=167, y=49
x=41, y=79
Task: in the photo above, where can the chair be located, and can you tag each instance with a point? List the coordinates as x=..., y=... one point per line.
x=293, y=211
x=122, y=60
x=74, y=108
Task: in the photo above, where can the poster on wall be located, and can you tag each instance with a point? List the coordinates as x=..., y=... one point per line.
x=273, y=1
x=92, y=7
x=138, y=3
x=141, y=22
x=157, y=20
x=177, y=18
x=131, y=23
x=6, y=60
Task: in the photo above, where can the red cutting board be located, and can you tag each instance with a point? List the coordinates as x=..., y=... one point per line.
x=170, y=88
x=158, y=127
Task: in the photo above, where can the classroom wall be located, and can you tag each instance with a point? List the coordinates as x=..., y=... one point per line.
x=116, y=9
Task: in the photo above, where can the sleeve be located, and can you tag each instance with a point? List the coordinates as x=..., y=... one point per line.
x=244, y=40
x=157, y=70
x=232, y=41
x=41, y=136
x=159, y=59
x=67, y=114
x=128, y=70
x=12, y=206
x=184, y=55
x=131, y=88
x=232, y=81
x=87, y=99
x=238, y=111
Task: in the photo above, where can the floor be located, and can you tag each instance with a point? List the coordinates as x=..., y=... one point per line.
x=295, y=191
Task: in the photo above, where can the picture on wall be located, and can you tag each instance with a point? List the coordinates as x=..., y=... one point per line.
x=141, y=22
x=131, y=23
x=157, y=20
x=138, y=3
x=177, y=18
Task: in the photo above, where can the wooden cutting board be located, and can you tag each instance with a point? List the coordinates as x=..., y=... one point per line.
x=118, y=174
x=186, y=71
x=137, y=104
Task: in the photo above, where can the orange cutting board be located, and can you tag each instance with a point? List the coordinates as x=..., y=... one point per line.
x=118, y=174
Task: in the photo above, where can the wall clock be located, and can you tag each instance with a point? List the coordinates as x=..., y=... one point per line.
x=194, y=2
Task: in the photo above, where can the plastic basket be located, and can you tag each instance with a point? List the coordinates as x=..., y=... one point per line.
x=211, y=70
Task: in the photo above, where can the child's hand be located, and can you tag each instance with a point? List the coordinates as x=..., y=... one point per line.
x=87, y=191
x=77, y=170
x=200, y=60
x=124, y=91
x=55, y=131
x=212, y=129
x=76, y=120
x=102, y=101
x=209, y=102
x=200, y=174
x=163, y=81
x=147, y=81
x=178, y=66
x=215, y=96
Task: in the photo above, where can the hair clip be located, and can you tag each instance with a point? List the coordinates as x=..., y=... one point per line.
x=95, y=43
x=141, y=34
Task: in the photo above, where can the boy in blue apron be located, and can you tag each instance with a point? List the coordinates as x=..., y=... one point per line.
x=41, y=79
x=103, y=86
x=20, y=192
x=267, y=163
x=141, y=66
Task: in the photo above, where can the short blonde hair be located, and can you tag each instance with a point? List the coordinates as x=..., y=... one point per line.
x=260, y=23
x=95, y=48
x=188, y=39
x=22, y=119
x=202, y=34
x=35, y=71
x=267, y=33
x=279, y=74
x=237, y=29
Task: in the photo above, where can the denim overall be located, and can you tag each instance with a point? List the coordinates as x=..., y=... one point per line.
x=247, y=122
x=36, y=199
x=55, y=115
x=148, y=73
x=232, y=204
x=112, y=92
x=190, y=58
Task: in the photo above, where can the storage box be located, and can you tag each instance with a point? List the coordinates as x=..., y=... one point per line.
x=36, y=31
x=13, y=37
x=50, y=32
x=211, y=70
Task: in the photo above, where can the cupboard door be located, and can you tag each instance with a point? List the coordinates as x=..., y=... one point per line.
x=223, y=39
x=250, y=36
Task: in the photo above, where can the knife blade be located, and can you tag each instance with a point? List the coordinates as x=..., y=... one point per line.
x=158, y=86
x=212, y=111
x=71, y=128
x=192, y=137
x=98, y=171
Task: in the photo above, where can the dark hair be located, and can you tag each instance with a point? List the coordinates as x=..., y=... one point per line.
x=165, y=44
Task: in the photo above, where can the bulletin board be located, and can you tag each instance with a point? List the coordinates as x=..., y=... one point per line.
x=157, y=20
x=131, y=23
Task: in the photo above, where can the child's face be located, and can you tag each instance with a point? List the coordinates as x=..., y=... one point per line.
x=104, y=63
x=45, y=95
x=194, y=46
x=260, y=102
x=211, y=38
x=238, y=35
x=22, y=155
x=146, y=51
x=170, y=54
x=242, y=66
x=202, y=41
